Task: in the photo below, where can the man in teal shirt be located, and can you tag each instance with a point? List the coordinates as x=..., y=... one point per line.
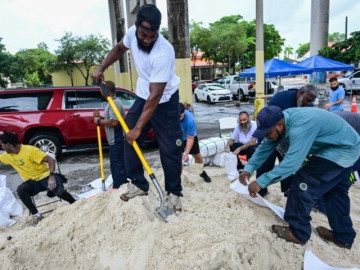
x=334, y=147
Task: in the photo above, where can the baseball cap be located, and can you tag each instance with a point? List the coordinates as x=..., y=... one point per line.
x=150, y=14
x=266, y=119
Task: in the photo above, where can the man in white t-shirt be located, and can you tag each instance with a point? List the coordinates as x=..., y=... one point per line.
x=241, y=141
x=156, y=104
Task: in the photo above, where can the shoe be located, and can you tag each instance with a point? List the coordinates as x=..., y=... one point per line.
x=327, y=235
x=205, y=176
x=285, y=233
x=38, y=216
x=174, y=202
x=132, y=192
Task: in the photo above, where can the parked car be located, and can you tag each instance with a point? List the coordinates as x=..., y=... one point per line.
x=212, y=92
x=57, y=118
x=240, y=89
x=350, y=82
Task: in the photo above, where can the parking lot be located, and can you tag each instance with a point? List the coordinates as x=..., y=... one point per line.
x=81, y=167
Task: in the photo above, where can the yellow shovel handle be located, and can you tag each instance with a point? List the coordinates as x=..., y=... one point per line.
x=100, y=153
x=126, y=129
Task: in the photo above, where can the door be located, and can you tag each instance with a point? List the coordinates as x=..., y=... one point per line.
x=79, y=107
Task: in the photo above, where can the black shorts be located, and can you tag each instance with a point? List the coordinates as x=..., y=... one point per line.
x=195, y=149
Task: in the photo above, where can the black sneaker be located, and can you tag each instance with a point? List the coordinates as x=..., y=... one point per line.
x=206, y=177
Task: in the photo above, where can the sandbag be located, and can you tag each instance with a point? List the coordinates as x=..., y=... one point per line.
x=212, y=146
x=231, y=166
x=8, y=204
x=219, y=160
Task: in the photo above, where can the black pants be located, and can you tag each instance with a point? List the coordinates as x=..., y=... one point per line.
x=267, y=166
x=31, y=188
x=166, y=124
x=248, y=152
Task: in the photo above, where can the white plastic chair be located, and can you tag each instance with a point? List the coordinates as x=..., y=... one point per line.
x=226, y=126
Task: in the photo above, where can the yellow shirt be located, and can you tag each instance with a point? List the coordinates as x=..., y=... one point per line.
x=28, y=163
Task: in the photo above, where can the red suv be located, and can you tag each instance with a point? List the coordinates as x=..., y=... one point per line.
x=56, y=118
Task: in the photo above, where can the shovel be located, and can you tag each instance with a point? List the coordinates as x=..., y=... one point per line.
x=101, y=157
x=163, y=211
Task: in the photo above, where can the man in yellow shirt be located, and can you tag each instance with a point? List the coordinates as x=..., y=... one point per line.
x=36, y=169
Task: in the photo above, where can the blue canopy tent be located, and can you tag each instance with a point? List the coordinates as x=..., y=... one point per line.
x=319, y=63
x=277, y=68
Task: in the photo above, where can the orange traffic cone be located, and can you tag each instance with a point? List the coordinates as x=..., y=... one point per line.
x=353, y=104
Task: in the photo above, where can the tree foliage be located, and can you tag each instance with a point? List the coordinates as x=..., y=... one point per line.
x=232, y=40
x=303, y=48
x=336, y=37
x=78, y=52
x=5, y=65
x=347, y=51
x=34, y=66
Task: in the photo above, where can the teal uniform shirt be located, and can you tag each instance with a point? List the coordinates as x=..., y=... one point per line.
x=308, y=131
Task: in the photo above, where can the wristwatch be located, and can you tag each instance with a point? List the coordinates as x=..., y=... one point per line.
x=52, y=173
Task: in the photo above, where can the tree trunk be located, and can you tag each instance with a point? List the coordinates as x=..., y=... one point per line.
x=178, y=23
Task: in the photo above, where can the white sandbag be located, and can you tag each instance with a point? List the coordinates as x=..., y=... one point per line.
x=8, y=202
x=212, y=146
x=5, y=219
x=231, y=166
x=219, y=160
x=207, y=161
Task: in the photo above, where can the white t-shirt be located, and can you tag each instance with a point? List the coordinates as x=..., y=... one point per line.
x=240, y=137
x=156, y=66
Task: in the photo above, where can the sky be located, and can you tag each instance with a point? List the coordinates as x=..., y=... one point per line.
x=25, y=24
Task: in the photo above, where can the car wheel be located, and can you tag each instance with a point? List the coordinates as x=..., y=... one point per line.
x=241, y=95
x=208, y=100
x=48, y=143
x=196, y=98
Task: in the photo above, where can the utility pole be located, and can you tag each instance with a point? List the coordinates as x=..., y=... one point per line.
x=178, y=25
x=259, y=58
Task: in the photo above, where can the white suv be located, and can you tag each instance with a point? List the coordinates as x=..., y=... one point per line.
x=351, y=82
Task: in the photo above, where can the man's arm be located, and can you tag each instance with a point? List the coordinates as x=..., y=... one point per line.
x=116, y=52
x=229, y=143
x=156, y=92
x=252, y=142
x=51, y=180
x=329, y=105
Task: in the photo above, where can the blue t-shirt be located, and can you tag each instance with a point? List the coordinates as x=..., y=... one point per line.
x=335, y=95
x=188, y=125
x=284, y=100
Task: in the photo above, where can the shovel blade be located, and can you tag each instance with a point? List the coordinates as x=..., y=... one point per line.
x=164, y=212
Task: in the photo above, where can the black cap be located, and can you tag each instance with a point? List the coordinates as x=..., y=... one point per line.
x=266, y=119
x=150, y=14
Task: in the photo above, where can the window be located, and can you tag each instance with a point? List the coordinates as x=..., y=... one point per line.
x=356, y=75
x=84, y=100
x=127, y=99
x=236, y=79
x=24, y=102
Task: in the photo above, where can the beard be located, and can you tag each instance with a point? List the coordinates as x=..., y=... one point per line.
x=334, y=88
x=141, y=46
x=245, y=128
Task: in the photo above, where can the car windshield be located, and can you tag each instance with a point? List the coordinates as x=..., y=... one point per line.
x=215, y=87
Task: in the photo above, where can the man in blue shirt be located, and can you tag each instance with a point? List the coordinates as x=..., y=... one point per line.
x=337, y=95
x=304, y=97
x=190, y=139
x=334, y=146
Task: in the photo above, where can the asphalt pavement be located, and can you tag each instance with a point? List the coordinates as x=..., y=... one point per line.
x=81, y=167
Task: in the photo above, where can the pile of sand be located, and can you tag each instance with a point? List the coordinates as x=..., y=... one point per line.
x=218, y=229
